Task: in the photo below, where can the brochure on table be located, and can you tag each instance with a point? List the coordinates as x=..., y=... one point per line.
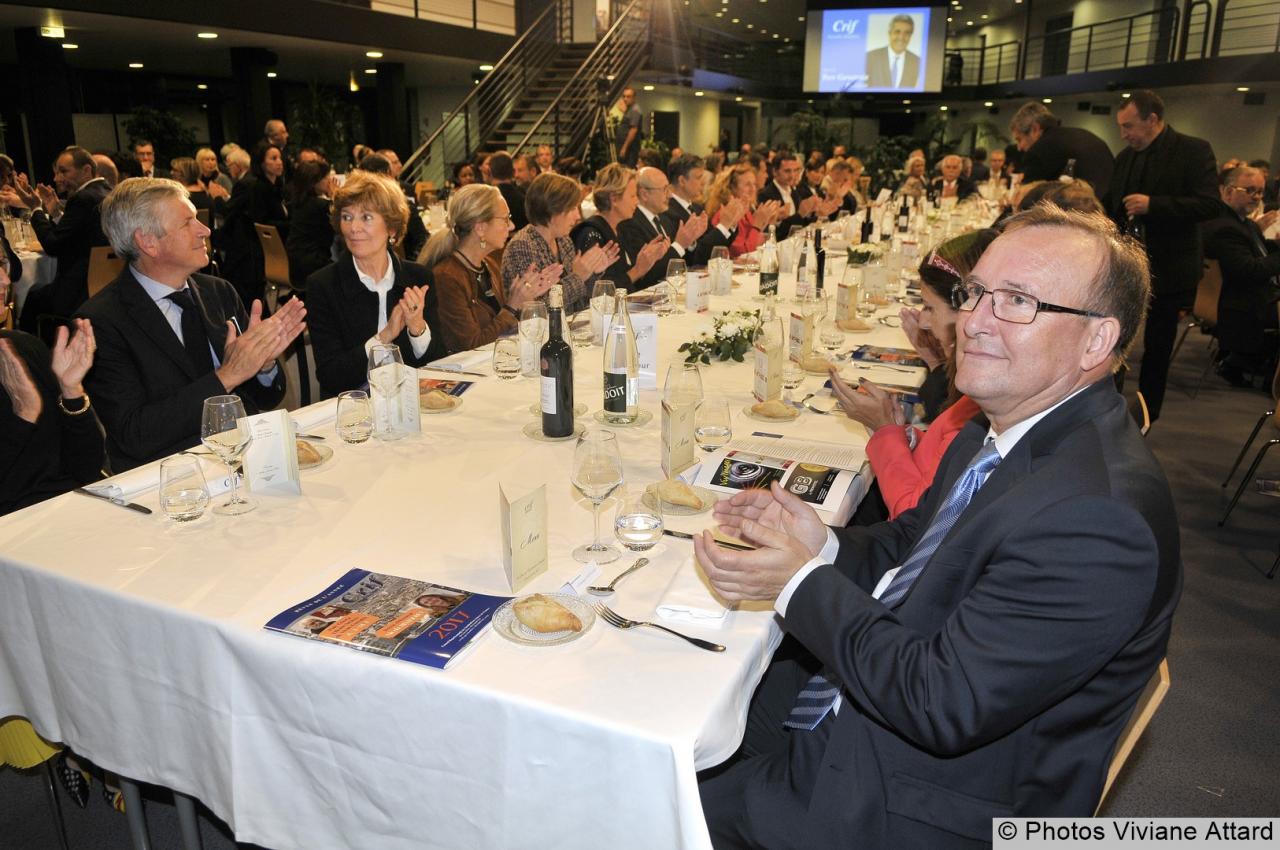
x=829, y=476
x=271, y=460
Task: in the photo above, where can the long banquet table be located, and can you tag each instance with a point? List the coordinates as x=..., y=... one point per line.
x=139, y=643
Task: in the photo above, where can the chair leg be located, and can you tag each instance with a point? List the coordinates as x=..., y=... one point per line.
x=1247, y=444
x=1204, y=373
x=55, y=804
x=1248, y=476
x=135, y=814
x=1182, y=338
x=1271, y=573
x=188, y=820
x=304, y=371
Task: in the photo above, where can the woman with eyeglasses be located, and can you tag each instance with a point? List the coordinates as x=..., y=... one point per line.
x=369, y=295
x=902, y=458
x=465, y=261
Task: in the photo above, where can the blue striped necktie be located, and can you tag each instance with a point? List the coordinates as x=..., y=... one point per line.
x=819, y=693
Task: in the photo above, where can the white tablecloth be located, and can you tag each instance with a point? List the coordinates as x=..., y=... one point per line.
x=140, y=644
x=37, y=270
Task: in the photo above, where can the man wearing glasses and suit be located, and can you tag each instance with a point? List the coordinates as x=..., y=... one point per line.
x=978, y=656
x=168, y=338
x=653, y=192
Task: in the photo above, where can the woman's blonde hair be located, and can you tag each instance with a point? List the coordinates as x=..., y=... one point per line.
x=611, y=183
x=721, y=190
x=377, y=193
x=468, y=206
x=185, y=170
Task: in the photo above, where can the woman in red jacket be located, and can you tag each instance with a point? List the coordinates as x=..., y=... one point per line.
x=903, y=458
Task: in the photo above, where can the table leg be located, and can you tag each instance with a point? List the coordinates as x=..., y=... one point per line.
x=135, y=815
x=188, y=820
x=51, y=789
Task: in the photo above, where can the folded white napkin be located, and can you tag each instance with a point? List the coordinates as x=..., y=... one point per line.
x=306, y=419
x=689, y=599
x=467, y=361
x=129, y=484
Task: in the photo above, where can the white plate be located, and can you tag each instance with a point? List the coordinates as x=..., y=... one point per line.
x=750, y=414
x=708, y=498
x=326, y=455
x=457, y=402
x=643, y=418
x=506, y=624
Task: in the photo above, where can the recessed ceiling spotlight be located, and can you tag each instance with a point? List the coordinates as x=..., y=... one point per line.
x=968, y=23
x=1046, y=100
x=66, y=45
x=207, y=35
x=371, y=70
x=698, y=94
x=751, y=26
x=949, y=20
x=373, y=54
x=800, y=19
x=984, y=17
x=648, y=87
x=1242, y=88
x=271, y=75
x=943, y=108
x=906, y=103
x=738, y=99
x=908, y=110
x=486, y=67
x=202, y=86
x=53, y=32
x=135, y=65
x=735, y=20
x=988, y=103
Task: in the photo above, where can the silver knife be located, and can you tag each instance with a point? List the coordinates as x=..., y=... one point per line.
x=121, y=502
x=684, y=535
x=456, y=372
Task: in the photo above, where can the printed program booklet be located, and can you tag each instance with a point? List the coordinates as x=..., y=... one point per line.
x=403, y=618
x=888, y=356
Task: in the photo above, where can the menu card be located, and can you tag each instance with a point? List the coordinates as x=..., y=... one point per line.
x=697, y=292
x=801, y=336
x=768, y=371
x=524, y=535
x=847, y=295
x=644, y=324
x=677, y=438
x=271, y=460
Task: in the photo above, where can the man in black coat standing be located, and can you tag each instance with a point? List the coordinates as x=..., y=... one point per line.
x=168, y=338
x=1164, y=184
x=68, y=236
x=1250, y=267
x=1047, y=147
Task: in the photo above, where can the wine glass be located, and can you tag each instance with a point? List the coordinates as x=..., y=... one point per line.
x=386, y=376
x=183, y=492
x=712, y=427
x=580, y=331
x=533, y=333
x=601, y=305
x=221, y=433
x=638, y=523
x=683, y=386
x=663, y=298
x=720, y=267
x=506, y=358
x=676, y=270
x=597, y=472
x=354, y=422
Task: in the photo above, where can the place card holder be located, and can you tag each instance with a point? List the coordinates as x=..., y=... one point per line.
x=801, y=342
x=677, y=438
x=644, y=324
x=271, y=460
x=847, y=294
x=697, y=292
x=767, y=382
x=524, y=535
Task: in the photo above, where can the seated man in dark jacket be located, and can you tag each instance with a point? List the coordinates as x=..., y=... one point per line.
x=1250, y=268
x=168, y=338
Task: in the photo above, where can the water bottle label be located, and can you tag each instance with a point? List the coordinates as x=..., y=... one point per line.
x=617, y=393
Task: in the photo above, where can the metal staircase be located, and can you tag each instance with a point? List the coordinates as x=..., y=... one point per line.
x=543, y=91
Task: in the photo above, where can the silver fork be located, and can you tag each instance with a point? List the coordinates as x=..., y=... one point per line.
x=618, y=621
x=882, y=366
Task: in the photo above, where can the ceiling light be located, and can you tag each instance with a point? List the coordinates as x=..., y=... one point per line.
x=206, y=35
x=355, y=86
x=371, y=70
x=135, y=65
x=810, y=100
x=968, y=23
x=202, y=86
x=271, y=75
x=906, y=103
x=943, y=108
x=698, y=94
x=66, y=45
x=1242, y=88
x=486, y=67
x=775, y=35
x=751, y=26
x=800, y=19
x=719, y=14
x=787, y=39
x=373, y=54
x=648, y=87
x=988, y=103
x=53, y=32
x=735, y=20
x=984, y=17
x=738, y=99
x=908, y=110
x=949, y=20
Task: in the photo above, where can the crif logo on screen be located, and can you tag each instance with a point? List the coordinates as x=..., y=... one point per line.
x=845, y=27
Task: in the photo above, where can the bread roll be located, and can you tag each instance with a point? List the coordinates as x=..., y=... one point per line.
x=853, y=326
x=774, y=409
x=307, y=454
x=438, y=400
x=814, y=363
x=675, y=492
x=543, y=614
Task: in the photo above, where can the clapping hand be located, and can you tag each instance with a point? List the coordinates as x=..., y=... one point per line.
x=868, y=404
x=47, y=198
x=654, y=250
x=786, y=529
x=532, y=285
x=411, y=305
x=808, y=206
x=17, y=382
x=731, y=213
x=925, y=343
x=247, y=354
x=73, y=357
x=827, y=206
x=10, y=198
x=22, y=186
x=690, y=230
x=766, y=214
x=217, y=191
x=595, y=260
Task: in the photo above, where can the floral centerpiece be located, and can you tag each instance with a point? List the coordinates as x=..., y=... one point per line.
x=730, y=339
x=865, y=252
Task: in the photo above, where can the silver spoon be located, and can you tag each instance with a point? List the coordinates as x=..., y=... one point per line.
x=606, y=590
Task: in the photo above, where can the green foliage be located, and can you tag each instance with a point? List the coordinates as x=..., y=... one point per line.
x=807, y=131
x=170, y=136
x=731, y=340
x=324, y=119
x=652, y=144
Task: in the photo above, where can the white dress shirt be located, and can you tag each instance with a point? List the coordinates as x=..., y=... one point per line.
x=688, y=208
x=657, y=225
x=785, y=192
x=419, y=344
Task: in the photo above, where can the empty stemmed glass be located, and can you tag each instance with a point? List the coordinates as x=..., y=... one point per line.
x=386, y=376
x=712, y=425
x=683, y=386
x=676, y=270
x=533, y=333
x=597, y=472
x=222, y=433
x=602, y=295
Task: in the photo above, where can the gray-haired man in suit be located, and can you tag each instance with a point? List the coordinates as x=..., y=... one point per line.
x=894, y=67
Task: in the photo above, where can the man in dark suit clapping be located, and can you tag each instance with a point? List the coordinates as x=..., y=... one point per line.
x=951, y=183
x=1164, y=184
x=978, y=656
x=168, y=338
x=653, y=192
x=798, y=201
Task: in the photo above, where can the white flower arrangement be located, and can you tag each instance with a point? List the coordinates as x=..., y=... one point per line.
x=731, y=337
x=865, y=252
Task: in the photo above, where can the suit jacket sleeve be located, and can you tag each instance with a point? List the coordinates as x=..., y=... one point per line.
x=466, y=322
x=633, y=238
x=263, y=396
x=341, y=363
x=68, y=235
x=1199, y=178
x=1240, y=264
x=1032, y=630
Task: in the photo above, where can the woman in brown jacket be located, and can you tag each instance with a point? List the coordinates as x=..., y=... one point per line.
x=465, y=259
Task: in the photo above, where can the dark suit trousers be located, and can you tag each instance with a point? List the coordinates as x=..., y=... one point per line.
x=1157, y=345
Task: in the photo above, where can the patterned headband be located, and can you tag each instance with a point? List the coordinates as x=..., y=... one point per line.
x=938, y=262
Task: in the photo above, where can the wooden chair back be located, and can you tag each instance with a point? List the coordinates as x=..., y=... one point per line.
x=1152, y=695
x=275, y=263
x=1207, y=292
x=1140, y=412
x=204, y=217
x=104, y=267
